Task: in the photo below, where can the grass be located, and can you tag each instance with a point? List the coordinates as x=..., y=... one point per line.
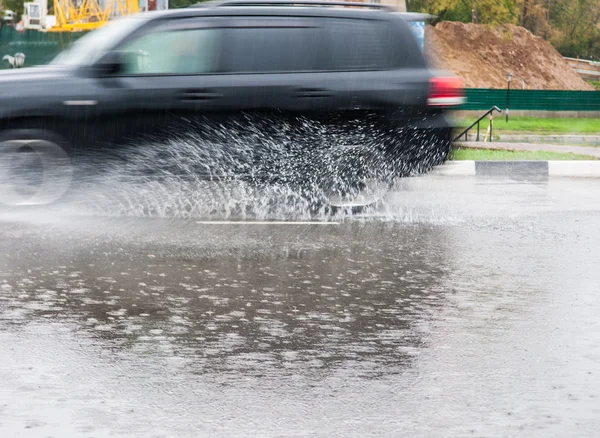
x=459, y=154
x=538, y=125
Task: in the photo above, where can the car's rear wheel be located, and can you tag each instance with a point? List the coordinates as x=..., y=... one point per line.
x=35, y=167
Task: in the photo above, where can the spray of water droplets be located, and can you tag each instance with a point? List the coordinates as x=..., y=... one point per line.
x=258, y=167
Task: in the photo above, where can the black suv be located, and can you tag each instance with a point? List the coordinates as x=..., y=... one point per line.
x=297, y=81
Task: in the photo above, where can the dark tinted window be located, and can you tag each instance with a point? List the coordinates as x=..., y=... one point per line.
x=272, y=49
x=360, y=44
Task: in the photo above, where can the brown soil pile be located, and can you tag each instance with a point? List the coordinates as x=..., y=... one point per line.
x=482, y=56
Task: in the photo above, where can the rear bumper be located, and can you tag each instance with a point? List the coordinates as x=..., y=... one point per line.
x=432, y=121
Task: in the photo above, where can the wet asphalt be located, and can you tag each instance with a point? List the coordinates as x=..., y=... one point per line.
x=458, y=307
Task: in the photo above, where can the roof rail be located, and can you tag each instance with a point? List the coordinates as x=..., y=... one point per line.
x=314, y=3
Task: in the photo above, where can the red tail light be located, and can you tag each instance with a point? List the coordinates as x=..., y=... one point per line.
x=445, y=91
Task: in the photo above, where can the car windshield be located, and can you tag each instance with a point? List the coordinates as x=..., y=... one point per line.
x=90, y=47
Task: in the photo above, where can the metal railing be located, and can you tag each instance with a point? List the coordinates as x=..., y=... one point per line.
x=476, y=122
x=587, y=69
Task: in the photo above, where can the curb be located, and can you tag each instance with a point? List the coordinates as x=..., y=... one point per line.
x=573, y=169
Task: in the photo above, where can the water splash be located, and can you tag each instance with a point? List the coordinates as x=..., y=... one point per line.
x=254, y=167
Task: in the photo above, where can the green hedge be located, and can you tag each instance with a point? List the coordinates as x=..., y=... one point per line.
x=541, y=100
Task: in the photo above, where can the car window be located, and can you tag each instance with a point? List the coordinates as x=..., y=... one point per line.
x=272, y=49
x=92, y=46
x=190, y=51
x=360, y=44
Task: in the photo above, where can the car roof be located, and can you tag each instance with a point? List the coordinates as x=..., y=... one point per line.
x=298, y=8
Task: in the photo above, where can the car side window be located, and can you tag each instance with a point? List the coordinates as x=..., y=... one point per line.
x=360, y=44
x=272, y=49
x=190, y=51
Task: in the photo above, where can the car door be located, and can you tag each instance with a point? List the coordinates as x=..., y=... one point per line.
x=367, y=66
x=315, y=66
x=310, y=74
x=273, y=63
x=170, y=78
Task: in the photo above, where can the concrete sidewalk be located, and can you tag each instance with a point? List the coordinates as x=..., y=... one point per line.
x=531, y=147
x=558, y=139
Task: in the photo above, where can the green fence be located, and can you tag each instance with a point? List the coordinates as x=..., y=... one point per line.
x=533, y=100
x=38, y=47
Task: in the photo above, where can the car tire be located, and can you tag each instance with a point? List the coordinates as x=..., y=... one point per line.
x=35, y=167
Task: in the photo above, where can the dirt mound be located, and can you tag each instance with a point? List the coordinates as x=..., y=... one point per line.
x=482, y=56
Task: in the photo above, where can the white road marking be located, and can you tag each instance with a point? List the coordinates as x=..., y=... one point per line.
x=264, y=223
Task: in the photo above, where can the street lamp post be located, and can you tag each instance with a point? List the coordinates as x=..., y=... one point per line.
x=508, y=79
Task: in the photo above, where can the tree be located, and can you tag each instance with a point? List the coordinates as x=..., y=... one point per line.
x=488, y=11
x=572, y=26
x=524, y=10
x=576, y=27
x=535, y=17
x=13, y=5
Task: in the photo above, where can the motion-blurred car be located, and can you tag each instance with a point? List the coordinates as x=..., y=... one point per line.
x=352, y=71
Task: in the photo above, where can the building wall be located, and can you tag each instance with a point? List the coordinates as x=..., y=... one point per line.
x=153, y=5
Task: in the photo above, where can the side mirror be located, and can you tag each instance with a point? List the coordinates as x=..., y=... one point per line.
x=109, y=64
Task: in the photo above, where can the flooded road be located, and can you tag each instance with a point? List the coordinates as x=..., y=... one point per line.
x=460, y=307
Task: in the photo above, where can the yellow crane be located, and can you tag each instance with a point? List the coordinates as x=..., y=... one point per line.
x=82, y=15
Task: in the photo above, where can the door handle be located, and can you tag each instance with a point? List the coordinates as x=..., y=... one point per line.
x=198, y=95
x=312, y=93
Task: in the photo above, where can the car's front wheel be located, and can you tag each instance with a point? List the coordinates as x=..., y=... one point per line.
x=35, y=167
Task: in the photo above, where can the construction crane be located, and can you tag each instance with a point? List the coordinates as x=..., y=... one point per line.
x=82, y=15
